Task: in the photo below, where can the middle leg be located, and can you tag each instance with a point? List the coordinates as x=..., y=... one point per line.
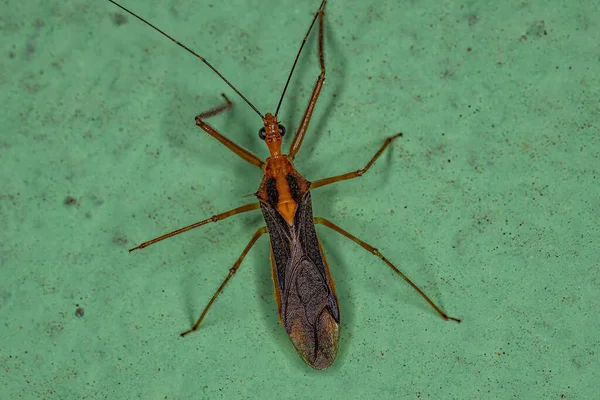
x=360, y=172
x=214, y=218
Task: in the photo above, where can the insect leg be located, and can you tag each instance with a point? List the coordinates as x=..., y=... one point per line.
x=232, y=271
x=237, y=149
x=228, y=105
x=354, y=174
x=316, y=91
x=376, y=252
x=214, y=218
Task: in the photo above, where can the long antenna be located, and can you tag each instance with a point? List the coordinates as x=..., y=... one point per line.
x=190, y=51
x=320, y=10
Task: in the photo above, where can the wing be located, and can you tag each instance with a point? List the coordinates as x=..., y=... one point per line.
x=304, y=288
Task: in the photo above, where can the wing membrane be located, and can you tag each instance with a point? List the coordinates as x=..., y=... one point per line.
x=308, y=306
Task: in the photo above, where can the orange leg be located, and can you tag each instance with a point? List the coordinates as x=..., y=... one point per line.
x=360, y=172
x=373, y=250
x=232, y=270
x=297, y=142
x=237, y=149
x=214, y=218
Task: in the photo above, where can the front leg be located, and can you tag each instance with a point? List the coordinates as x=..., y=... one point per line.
x=237, y=149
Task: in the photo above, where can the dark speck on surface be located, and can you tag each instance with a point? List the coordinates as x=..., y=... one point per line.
x=537, y=29
x=79, y=312
x=119, y=19
x=70, y=201
x=120, y=240
x=97, y=200
x=29, y=50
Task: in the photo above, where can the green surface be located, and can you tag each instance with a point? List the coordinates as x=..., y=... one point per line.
x=489, y=202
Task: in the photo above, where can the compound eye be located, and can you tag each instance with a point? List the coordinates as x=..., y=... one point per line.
x=262, y=133
x=281, y=130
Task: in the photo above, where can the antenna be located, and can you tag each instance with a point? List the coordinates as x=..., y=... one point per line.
x=192, y=52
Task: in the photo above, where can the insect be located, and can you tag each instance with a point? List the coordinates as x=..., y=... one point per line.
x=304, y=288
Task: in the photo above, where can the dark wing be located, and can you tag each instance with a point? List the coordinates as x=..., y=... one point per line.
x=308, y=306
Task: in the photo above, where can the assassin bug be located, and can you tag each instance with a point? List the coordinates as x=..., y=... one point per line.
x=304, y=289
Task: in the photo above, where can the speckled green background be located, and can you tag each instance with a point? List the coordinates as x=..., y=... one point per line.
x=490, y=201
